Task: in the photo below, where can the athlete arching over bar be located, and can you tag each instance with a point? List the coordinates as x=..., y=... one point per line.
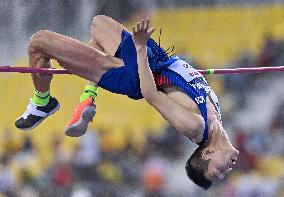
x=128, y=65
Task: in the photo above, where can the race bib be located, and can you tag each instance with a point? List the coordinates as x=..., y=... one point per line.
x=185, y=70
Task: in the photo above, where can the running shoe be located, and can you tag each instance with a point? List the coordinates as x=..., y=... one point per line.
x=82, y=116
x=34, y=114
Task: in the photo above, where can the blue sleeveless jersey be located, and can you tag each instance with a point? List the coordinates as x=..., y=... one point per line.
x=125, y=79
x=194, y=88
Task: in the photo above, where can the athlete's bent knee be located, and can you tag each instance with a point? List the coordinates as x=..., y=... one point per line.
x=98, y=19
x=97, y=25
x=37, y=41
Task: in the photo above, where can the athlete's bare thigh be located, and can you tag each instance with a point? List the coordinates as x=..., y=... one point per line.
x=75, y=56
x=106, y=32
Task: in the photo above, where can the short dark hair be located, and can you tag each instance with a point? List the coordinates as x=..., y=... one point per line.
x=196, y=167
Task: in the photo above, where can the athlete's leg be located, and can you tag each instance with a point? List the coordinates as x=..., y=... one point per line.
x=86, y=108
x=105, y=36
x=75, y=56
x=95, y=45
x=106, y=33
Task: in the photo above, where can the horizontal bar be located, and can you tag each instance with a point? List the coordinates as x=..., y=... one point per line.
x=242, y=70
x=205, y=72
x=33, y=70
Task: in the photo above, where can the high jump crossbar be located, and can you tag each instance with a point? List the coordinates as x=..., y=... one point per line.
x=205, y=72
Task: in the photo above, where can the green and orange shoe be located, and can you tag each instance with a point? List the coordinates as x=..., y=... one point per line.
x=82, y=116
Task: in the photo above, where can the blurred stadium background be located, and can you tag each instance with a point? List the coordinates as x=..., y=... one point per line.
x=129, y=149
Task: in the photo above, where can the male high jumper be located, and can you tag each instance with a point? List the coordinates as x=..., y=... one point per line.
x=136, y=66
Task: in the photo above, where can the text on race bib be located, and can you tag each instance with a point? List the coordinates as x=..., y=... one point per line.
x=185, y=70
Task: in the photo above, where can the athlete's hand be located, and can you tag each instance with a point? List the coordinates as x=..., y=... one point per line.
x=142, y=32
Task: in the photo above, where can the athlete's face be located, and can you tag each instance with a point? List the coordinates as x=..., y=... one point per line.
x=221, y=162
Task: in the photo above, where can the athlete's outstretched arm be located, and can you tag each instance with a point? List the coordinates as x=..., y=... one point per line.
x=188, y=123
